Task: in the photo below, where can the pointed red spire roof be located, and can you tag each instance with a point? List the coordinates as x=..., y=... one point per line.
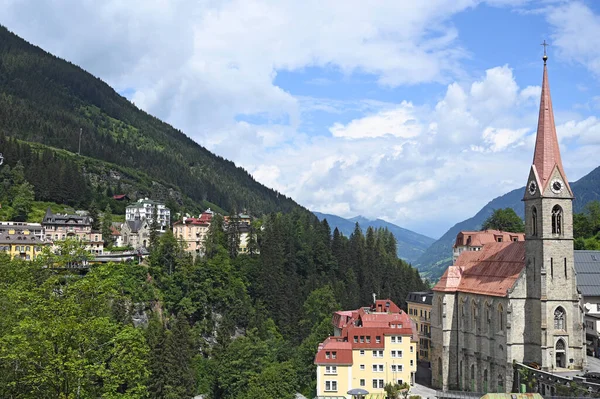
x=547, y=154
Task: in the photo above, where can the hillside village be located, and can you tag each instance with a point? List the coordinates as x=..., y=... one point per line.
x=127, y=240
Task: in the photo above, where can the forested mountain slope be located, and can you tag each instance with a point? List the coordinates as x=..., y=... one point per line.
x=410, y=245
x=47, y=100
x=439, y=255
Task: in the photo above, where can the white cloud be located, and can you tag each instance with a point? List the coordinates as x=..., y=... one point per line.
x=200, y=65
x=576, y=30
x=398, y=122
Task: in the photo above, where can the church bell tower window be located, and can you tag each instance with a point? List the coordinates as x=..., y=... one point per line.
x=557, y=220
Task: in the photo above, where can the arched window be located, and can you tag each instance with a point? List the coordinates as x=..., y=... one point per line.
x=557, y=220
x=533, y=221
x=472, y=378
x=560, y=345
x=474, y=316
x=559, y=318
x=485, y=381
x=500, y=383
x=500, y=318
x=440, y=311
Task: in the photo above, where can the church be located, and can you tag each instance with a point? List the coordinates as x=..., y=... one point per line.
x=514, y=300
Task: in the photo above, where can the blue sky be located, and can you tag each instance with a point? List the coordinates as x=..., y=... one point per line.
x=415, y=112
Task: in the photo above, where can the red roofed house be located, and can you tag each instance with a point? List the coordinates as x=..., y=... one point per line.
x=505, y=299
x=193, y=231
x=371, y=346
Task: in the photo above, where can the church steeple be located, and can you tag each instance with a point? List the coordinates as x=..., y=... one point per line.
x=546, y=156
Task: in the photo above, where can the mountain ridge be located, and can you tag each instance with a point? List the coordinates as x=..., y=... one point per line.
x=433, y=262
x=47, y=100
x=410, y=244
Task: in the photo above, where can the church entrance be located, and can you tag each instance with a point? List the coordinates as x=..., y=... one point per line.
x=561, y=356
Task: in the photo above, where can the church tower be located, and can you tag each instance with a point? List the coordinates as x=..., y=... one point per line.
x=552, y=299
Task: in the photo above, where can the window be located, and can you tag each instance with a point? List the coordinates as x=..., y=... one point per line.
x=378, y=368
x=378, y=339
x=396, y=353
x=396, y=339
x=500, y=318
x=557, y=217
x=330, y=386
x=377, y=353
x=362, y=366
x=559, y=318
x=362, y=339
x=362, y=382
x=356, y=339
x=377, y=383
x=368, y=339
x=440, y=311
x=412, y=362
x=333, y=355
x=396, y=368
x=327, y=355
x=330, y=369
x=412, y=348
x=362, y=352
x=566, y=268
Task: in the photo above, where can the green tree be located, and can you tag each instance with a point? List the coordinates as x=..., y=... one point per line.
x=504, y=219
x=154, y=228
x=94, y=214
x=106, y=226
x=23, y=196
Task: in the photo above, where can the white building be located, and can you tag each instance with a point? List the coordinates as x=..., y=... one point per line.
x=144, y=209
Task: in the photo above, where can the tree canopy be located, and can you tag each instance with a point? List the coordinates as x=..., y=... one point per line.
x=504, y=219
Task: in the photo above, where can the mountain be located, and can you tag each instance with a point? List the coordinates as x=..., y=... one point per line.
x=433, y=262
x=45, y=101
x=411, y=245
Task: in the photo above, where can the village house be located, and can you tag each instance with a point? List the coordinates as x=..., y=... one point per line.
x=192, y=232
x=59, y=227
x=419, y=310
x=20, y=242
x=144, y=209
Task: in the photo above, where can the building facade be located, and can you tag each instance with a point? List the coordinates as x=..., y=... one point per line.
x=587, y=266
x=136, y=233
x=21, y=243
x=144, y=209
x=59, y=227
x=419, y=310
x=192, y=232
x=516, y=300
x=372, y=346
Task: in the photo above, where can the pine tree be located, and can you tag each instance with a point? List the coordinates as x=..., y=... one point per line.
x=154, y=228
x=106, y=226
x=95, y=216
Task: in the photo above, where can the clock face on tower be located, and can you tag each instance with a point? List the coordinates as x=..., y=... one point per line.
x=532, y=187
x=556, y=186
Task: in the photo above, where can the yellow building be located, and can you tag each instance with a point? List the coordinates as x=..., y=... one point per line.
x=193, y=231
x=419, y=310
x=20, y=242
x=372, y=346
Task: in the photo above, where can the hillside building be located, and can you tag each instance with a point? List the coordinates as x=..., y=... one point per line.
x=193, y=231
x=371, y=346
x=20, y=242
x=144, y=209
x=514, y=300
x=135, y=233
x=419, y=310
x=59, y=227
x=34, y=228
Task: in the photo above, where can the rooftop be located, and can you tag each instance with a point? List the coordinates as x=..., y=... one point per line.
x=587, y=268
x=491, y=271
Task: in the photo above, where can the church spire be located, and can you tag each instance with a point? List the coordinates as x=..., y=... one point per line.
x=547, y=154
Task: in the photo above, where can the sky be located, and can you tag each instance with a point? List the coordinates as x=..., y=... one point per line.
x=416, y=112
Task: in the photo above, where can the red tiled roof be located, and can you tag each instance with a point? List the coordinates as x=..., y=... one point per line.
x=333, y=345
x=480, y=238
x=547, y=154
x=114, y=231
x=491, y=271
x=204, y=219
x=119, y=196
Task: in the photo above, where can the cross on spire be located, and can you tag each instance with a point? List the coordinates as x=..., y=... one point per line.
x=545, y=45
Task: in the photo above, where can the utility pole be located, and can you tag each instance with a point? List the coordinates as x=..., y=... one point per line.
x=79, y=151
